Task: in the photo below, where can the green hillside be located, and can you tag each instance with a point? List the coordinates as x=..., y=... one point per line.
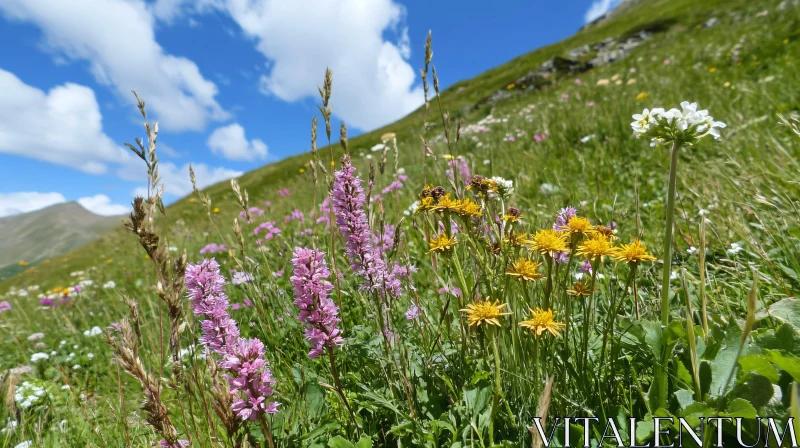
x=720, y=338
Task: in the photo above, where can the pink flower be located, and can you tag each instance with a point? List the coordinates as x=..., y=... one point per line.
x=5, y=306
x=413, y=312
x=456, y=292
x=578, y=81
x=284, y=192
x=46, y=301
x=590, y=104
x=564, y=96
x=666, y=61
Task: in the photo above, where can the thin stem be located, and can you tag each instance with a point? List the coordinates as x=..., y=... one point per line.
x=661, y=368
x=498, y=388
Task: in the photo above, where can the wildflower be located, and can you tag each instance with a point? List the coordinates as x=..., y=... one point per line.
x=441, y=243
x=549, y=241
x=216, y=210
x=564, y=96
x=468, y=208
x=94, y=331
x=561, y=257
x=642, y=96
x=311, y=291
x=456, y=292
x=109, y=284
x=5, y=306
x=685, y=126
x=23, y=263
x=594, y=247
x=482, y=185
x=504, y=187
x=602, y=82
x=35, y=336
x=578, y=225
x=734, y=249
x=47, y=301
x=284, y=192
x=413, y=312
x=513, y=214
x=590, y=104
x=666, y=61
x=606, y=231
x=541, y=321
x=525, y=269
x=587, y=138
x=563, y=217
x=348, y=203
x=238, y=278
x=485, y=312
x=213, y=248
x=691, y=250
x=631, y=81
x=25, y=444
x=516, y=239
x=250, y=380
x=712, y=70
x=461, y=165
x=580, y=289
x=636, y=252
x=36, y=357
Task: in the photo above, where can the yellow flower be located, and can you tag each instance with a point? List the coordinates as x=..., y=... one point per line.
x=445, y=203
x=332, y=163
x=447, y=156
x=580, y=289
x=786, y=41
x=192, y=199
x=302, y=170
x=23, y=263
x=484, y=312
x=512, y=215
x=425, y=204
x=468, y=208
x=441, y=243
x=548, y=241
x=578, y=224
x=596, y=246
x=216, y=209
x=605, y=231
x=525, y=269
x=542, y=321
x=517, y=239
x=58, y=289
x=712, y=70
x=510, y=86
x=482, y=185
x=642, y=96
x=635, y=252
x=109, y=260
x=727, y=84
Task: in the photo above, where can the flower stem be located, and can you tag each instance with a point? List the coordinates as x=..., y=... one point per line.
x=498, y=390
x=661, y=368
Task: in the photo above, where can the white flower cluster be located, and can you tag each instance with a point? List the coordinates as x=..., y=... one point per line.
x=95, y=331
x=687, y=125
x=36, y=357
x=110, y=284
x=412, y=209
x=29, y=394
x=504, y=186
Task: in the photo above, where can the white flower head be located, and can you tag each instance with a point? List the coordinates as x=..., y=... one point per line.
x=735, y=249
x=505, y=187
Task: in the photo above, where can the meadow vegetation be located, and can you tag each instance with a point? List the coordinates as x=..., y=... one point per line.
x=447, y=279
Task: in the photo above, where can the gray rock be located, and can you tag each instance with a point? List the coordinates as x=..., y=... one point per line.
x=575, y=53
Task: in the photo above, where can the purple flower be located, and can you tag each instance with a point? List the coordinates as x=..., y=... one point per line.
x=325, y=210
x=269, y=227
x=278, y=273
x=250, y=379
x=77, y=288
x=413, y=312
x=284, y=192
x=348, y=204
x=456, y=292
x=5, y=306
x=462, y=167
x=47, y=301
x=311, y=291
x=213, y=248
x=298, y=215
x=563, y=217
x=237, y=278
x=178, y=444
x=561, y=257
x=267, y=204
x=396, y=185
x=586, y=267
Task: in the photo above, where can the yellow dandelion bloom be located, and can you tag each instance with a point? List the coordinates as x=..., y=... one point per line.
x=23, y=263
x=727, y=84
x=216, y=209
x=712, y=70
x=605, y=231
x=510, y=86
x=580, y=289
x=525, y=269
x=468, y=208
x=302, y=170
x=425, y=204
x=542, y=321
x=516, y=239
x=482, y=185
x=642, y=96
x=596, y=246
x=58, y=289
x=441, y=243
x=445, y=203
x=484, y=312
x=577, y=225
x=512, y=215
x=636, y=252
x=549, y=241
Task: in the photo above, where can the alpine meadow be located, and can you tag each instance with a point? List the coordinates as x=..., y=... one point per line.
x=604, y=229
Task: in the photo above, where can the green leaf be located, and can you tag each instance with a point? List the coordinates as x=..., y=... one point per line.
x=684, y=397
x=756, y=389
x=364, y=442
x=759, y=364
x=740, y=408
x=786, y=310
x=339, y=442
x=789, y=363
x=644, y=429
x=315, y=399
x=725, y=359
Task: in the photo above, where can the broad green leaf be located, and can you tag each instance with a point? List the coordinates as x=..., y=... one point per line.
x=725, y=359
x=756, y=389
x=786, y=310
x=789, y=363
x=315, y=399
x=339, y=442
x=759, y=363
x=739, y=408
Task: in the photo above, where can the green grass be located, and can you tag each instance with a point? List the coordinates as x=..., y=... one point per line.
x=746, y=184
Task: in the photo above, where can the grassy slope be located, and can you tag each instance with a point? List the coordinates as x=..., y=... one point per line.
x=458, y=99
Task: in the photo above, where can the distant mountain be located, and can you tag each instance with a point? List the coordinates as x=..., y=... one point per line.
x=35, y=236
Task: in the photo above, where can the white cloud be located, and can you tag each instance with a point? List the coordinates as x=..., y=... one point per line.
x=27, y=201
x=373, y=83
x=231, y=143
x=117, y=39
x=100, y=204
x=62, y=126
x=176, y=179
x=598, y=8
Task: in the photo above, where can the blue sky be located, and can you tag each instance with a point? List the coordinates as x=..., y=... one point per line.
x=232, y=83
